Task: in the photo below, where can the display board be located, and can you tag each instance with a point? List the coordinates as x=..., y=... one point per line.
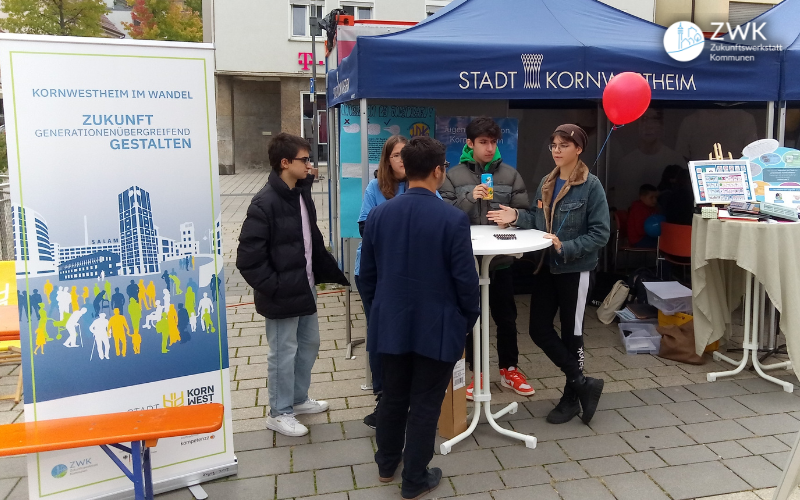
x=721, y=181
x=776, y=172
x=451, y=131
x=112, y=156
x=383, y=121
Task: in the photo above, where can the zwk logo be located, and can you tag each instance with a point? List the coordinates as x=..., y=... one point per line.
x=739, y=32
x=684, y=41
x=59, y=471
x=532, y=63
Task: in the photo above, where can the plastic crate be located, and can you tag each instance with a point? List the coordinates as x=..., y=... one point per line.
x=669, y=297
x=641, y=338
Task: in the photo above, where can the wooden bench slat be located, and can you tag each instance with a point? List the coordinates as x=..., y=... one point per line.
x=112, y=428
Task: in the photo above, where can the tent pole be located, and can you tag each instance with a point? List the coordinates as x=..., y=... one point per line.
x=770, y=120
x=333, y=182
x=782, y=123
x=364, y=147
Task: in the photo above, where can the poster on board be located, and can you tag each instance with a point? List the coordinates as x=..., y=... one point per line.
x=775, y=168
x=451, y=131
x=721, y=181
x=112, y=157
x=383, y=121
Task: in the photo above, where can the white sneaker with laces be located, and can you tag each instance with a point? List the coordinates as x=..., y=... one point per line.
x=287, y=424
x=311, y=406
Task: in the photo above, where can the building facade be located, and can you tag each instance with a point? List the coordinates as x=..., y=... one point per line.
x=64, y=254
x=137, y=234
x=90, y=266
x=33, y=251
x=264, y=60
x=188, y=244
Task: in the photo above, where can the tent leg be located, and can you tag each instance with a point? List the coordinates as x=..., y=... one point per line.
x=782, y=123
x=770, y=120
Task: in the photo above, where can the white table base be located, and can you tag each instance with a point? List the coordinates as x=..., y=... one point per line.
x=753, y=330
x=482, y=394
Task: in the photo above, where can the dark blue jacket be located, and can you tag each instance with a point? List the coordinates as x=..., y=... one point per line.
x=418, y=272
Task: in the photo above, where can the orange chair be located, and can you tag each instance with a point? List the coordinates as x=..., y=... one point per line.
x=675, y=244
x=621, y=237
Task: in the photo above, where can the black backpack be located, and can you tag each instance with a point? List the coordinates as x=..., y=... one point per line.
x=638, y=293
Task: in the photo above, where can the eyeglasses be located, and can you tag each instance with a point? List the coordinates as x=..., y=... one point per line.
x=559, y=147
x=395, y=156
x=446, y=164
x=304, y=159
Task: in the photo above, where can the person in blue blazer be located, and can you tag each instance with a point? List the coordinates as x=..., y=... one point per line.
x=418, y=273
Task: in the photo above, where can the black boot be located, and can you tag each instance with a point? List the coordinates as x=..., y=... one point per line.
x=432, y=479
x=566, y=409
x=589, y=391
x=371, y=420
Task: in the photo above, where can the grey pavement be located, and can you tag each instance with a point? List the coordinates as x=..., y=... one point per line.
x=662, y=431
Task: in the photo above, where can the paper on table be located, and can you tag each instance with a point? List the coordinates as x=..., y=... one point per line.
x=459, y=375
x=668, y=289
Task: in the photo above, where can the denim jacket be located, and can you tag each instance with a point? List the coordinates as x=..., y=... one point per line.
x=580, y=219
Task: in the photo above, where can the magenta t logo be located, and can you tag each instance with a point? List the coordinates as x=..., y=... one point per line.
x=304, y=59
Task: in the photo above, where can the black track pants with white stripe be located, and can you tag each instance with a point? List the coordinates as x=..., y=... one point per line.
x=565, y=293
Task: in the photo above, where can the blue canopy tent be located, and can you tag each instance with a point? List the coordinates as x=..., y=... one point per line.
x=537, y=49
x=781, y=28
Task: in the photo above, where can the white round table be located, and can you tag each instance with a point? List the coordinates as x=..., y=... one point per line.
x=484, y=243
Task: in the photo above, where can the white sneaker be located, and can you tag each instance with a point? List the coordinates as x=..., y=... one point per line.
x=311, y=406
x=287, y=425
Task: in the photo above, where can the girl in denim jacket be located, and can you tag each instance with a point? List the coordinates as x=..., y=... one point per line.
x=570, y=206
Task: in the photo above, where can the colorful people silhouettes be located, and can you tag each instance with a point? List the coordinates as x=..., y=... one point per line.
x=162, y=327
x=190, y=299
x=64, y=300
x=176, y=283
x=135, y=312
x=22, y=303
x=98, y=303
x=118, y=301
x=36, y=301
x=183, y=324
x=48, y=289
x=71, y=325
x=132, y=290
x=172, y=323
x=166, y=299
x=215, y=284
x=205, y=307
x=99, y=329
x=167, y=281
x=73, y=295
x=153, y=317
x=151, y=294
x=118, y=325
x=85, y=294
x=41, y=331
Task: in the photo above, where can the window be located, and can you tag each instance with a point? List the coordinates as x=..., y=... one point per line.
x=433, y=6
x=301, y=20
x=360, y=12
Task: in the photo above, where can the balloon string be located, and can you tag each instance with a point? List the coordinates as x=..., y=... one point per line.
x=615, y=127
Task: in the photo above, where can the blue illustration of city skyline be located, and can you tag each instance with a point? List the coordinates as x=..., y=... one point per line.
x=138, y=250
x=692, y=38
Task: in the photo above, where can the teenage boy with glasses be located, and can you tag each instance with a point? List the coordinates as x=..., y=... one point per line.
x=282, y=256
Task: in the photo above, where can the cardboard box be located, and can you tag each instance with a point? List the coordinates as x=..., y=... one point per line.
x=453, y=419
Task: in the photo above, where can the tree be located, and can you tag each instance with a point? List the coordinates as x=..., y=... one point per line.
x=54, y=17
x=166, y=20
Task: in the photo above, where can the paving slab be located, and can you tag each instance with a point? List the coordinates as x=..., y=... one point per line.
x=471, y=462
x=333, y=480
x=335, y=454
x=644, y=460
x=764, y=445
x=722, y=430
x=652, y=396
x=525, y=476
x=541, y=492
x=617, y=400
x=477, y=483
x=634, y=486
x=595, y=446
x=545, y=431
x=299, y=484
x=648, y=417
x=679, y=393
x=758, y=384
x=566, y=471
x=691, y=412
x=770, y=402
x=520, y=456
x=727, y=408
x=683, y=482
x=655, y=439
x=757, y=471
x=687, y=455
x=606, y=466
x=767, y=425
x=728, y=449
x=263, y=462
x=242, y=489
x=718, y=389
x=246, y=441
x=583, y=489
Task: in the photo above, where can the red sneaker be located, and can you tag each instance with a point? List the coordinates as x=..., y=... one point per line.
x=516, y=381
x=471, y=388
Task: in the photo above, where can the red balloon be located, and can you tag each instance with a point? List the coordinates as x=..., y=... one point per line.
x=626, y=98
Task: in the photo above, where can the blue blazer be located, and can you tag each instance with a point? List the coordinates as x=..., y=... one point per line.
x=418, y=272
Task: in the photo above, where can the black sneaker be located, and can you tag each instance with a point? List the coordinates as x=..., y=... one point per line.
x=434, y=476
x=589, y=391
x=371, y=420
x=566, y=409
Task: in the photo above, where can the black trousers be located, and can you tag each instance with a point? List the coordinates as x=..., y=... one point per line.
x=413, y=390
x=565, y=293
x=504, y=313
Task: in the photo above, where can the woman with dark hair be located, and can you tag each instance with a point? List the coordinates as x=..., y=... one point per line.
x=571, y=208
x=390, y=181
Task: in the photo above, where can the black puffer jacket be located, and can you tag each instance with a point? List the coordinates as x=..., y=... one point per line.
x=271, y=256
